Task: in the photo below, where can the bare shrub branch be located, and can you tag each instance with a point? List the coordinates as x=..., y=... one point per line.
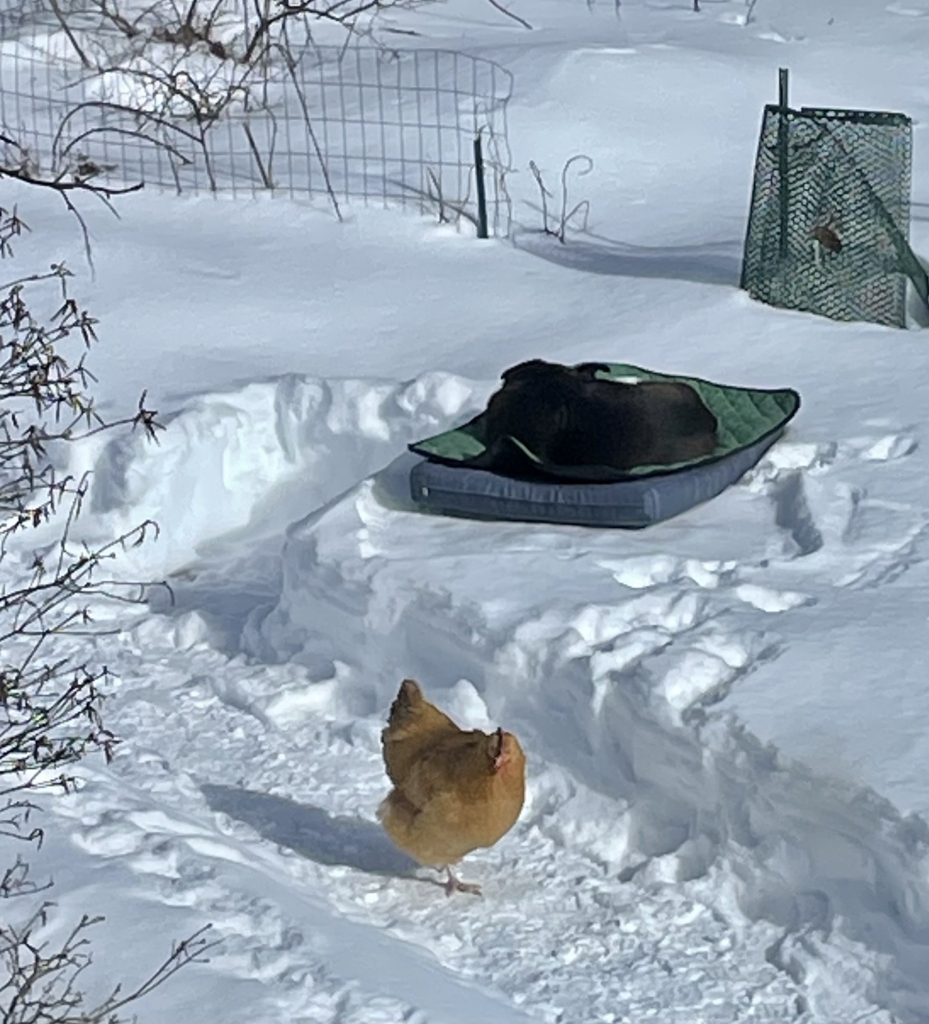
x=559, y=227
x=51, y=698
x=510, y=14
x=41, y=983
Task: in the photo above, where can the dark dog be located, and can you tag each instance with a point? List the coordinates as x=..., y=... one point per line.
x=567, y=417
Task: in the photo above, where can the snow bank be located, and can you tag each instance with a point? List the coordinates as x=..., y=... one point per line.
x=247, y=460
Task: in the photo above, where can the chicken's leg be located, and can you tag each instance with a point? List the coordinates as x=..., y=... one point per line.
x=454, y=884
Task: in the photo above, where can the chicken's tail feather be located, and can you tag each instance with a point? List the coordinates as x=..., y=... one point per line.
x=408, y=697
x=397, y=814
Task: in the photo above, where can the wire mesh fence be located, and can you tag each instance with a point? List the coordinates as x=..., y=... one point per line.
x=385, y=126
x=830, y=215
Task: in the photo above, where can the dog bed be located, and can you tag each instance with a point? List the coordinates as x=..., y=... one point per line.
x=750, y=420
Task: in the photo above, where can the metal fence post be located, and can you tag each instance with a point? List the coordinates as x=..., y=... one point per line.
x=782, y=168
x=481, y=194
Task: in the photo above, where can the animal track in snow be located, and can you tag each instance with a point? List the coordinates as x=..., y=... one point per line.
x=646, y=571
x=826, y=505
x=766, y=599
x=792, y=514
x=643, y=571
x=705, y=672
x=818, y=457
x=679, y=645
x=885, y=561
x=792, y=455
x=671, y=630
x=887, y=448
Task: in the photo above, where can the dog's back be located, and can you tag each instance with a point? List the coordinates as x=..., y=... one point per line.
x=654, y=423
x=567, y=416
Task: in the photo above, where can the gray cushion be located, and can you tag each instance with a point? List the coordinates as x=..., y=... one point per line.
x=633, y=504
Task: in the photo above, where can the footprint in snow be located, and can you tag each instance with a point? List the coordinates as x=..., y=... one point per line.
x=817, y=457
x=640, y=573
x=887, y=448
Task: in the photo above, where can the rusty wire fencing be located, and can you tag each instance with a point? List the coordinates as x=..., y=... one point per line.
x=385, y=126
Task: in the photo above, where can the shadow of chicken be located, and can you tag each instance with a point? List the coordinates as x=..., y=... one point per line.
x=454, y=790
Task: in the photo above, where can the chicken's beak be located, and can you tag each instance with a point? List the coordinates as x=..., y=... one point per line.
x=499, y=757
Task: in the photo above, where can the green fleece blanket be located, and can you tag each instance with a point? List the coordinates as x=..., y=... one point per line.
x=744, y=415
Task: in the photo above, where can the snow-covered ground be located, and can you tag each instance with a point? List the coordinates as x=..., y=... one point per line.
x=723, y=714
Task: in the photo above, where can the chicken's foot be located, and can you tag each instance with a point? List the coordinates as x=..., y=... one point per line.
x=454, y=884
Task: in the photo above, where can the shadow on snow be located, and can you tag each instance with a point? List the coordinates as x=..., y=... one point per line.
x=312, y=832
x=717, y=263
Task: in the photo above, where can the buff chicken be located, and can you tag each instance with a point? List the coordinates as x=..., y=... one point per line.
x=454, y=789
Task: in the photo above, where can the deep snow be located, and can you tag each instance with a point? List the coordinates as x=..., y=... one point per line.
x=727, y=808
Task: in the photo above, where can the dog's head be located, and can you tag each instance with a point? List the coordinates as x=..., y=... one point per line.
x=538, y=369
x=532, y=369
x=534, y=401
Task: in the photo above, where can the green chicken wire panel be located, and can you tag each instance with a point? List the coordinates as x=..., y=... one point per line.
x=830, y=215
